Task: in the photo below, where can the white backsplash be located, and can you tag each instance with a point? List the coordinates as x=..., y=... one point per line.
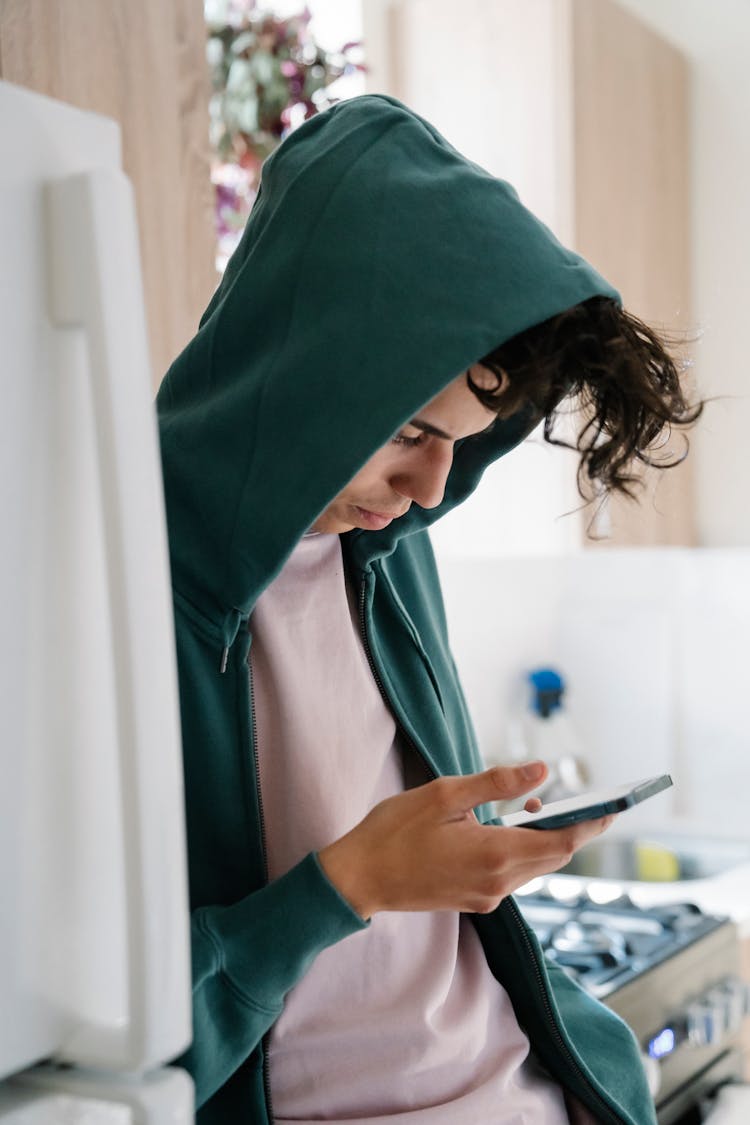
x=653, y=645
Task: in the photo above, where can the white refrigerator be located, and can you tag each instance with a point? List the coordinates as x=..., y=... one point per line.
x=94, y=934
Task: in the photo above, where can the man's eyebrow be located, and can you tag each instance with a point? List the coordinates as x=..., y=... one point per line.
x=428, y=428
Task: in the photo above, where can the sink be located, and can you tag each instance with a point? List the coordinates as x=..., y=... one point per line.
x=657, y=858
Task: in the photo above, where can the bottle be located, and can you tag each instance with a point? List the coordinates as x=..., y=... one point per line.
x=544, y=731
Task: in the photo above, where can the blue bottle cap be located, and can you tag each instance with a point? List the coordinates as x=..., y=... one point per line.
x=548, y=688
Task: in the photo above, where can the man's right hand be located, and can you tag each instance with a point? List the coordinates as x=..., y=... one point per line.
x=424, y=849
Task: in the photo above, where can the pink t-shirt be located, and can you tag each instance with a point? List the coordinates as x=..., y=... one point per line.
x=402, y=1020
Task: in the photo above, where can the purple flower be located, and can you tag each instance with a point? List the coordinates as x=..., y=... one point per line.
x=225, y=196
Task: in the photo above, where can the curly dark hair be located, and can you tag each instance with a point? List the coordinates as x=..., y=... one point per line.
x=605, y=362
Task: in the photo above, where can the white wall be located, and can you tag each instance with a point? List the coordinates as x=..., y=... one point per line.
x=653, y=645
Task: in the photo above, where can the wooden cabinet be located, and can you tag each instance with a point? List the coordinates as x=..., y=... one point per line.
x=585, y=111
x=143, y=64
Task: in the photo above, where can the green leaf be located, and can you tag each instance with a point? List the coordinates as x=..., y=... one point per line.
x=264, y=67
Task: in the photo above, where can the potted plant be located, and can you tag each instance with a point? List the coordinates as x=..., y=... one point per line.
x=268, y=75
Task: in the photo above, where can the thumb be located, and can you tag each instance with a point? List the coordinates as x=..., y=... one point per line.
x=500, y=783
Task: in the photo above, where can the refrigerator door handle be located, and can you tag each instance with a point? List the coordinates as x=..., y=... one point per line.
x=95, y=285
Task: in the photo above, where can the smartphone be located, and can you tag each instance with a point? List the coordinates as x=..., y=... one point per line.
x=589, y=806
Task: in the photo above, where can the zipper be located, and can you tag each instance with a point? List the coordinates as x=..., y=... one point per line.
x=379, y=683
x=265, y=1042
x=256, y=770
x=610, y=1117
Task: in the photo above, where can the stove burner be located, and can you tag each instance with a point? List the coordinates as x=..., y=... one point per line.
x=605, y=945
x=592, y=940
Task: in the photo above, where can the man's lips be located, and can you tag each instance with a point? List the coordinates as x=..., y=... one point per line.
x=383, y=515
x=377, y=520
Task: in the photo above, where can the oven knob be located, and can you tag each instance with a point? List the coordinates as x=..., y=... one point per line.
x=734, y=995
x=721, y=1005
x=696, y=1019
x=705, y=1022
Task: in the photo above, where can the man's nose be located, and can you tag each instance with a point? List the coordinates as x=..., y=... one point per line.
x=425, y=479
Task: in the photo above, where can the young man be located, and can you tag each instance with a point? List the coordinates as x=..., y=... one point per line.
x=392, y=322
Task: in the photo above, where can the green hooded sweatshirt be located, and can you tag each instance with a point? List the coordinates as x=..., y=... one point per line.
x=377, y=265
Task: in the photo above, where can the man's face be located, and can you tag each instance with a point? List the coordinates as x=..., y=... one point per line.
x=414, y=465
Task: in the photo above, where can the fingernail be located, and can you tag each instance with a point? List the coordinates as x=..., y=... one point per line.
x=532, y=770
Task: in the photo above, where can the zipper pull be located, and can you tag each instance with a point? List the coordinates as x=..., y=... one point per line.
x=233, y=624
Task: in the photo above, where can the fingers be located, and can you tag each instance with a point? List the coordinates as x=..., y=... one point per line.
x=559, y=841
x=500, y=783
x=512, y=860
x=514, y=856
x=424, y=850
x=587, y=830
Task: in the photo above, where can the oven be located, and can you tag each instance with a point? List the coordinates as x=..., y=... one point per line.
x=671, y=972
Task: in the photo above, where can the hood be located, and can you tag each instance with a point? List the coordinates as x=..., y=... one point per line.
x=376, y=266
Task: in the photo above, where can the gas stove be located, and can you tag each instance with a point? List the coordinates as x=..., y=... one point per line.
x=671, y=972
x=604, y=945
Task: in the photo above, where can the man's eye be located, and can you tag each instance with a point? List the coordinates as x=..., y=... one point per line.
x=410, y=442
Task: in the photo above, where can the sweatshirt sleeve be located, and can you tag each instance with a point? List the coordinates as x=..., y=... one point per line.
x=247, y=956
